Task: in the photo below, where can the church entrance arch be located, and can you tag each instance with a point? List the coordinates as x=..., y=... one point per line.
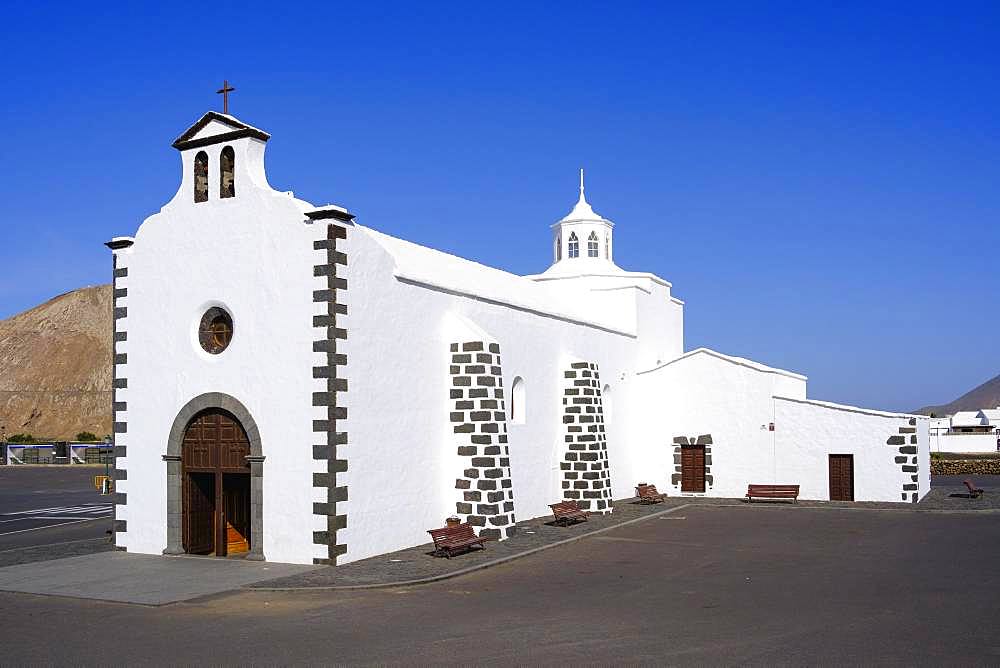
x=214, y=480
x=215, y=485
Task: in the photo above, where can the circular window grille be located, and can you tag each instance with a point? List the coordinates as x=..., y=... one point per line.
x=215, y=331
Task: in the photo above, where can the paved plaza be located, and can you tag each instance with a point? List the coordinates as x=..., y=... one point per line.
x=705, y=584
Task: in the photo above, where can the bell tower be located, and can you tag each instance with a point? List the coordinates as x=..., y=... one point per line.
x=222, y=159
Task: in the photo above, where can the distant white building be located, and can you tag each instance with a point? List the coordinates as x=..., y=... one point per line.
x=967, y=431
x=292, y=383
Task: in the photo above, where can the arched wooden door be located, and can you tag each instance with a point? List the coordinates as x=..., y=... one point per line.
x=216, y=494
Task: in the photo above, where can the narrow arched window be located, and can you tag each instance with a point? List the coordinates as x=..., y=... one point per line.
x=606, y=406
x=607, y=247
x=592, y=245
x=517, y=406
x=227, y=184
x=201, y=177
x=559, y=248
x=574, y=245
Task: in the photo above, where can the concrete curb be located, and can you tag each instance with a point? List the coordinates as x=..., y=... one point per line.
x=477, y=567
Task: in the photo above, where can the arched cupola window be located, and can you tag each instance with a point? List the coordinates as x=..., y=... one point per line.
x=559, y=247
x=574, y=245
x=201, y=177
x=607, y=246
x=592, y=245
x=227, y=183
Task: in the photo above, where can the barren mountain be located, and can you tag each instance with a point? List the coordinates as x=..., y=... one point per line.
x=986, y=395
x=55, y=366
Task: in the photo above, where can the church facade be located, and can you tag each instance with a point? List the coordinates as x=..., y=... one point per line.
x=298, y=386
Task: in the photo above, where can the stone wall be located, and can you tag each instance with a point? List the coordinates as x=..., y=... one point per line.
x=479, y=420
x=979, y=466
x=585, y=470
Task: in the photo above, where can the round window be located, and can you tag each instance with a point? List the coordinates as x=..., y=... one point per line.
x=216, y=330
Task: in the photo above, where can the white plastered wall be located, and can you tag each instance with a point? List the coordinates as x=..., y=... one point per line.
x=702, y=393
x=401, y=453
x=808, y=432
x=971, y=443
x=736, y=401
x=251, y=254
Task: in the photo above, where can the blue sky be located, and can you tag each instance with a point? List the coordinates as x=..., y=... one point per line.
x=820, y=185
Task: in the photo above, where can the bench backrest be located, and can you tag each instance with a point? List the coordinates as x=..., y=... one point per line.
x=462, y=531
x=647, y=490
x=772, y=488
x=565, y=506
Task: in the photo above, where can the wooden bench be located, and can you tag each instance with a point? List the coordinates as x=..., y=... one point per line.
x=974, y=492
x=772, y=492
x=568, y=512
x=647, y=494
x=449, y=540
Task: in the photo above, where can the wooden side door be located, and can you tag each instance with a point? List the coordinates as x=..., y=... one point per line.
x=692, y=468
x=198, y=526
x=841, y=477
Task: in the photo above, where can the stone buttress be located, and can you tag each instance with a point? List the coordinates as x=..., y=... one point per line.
x=479, y=424
x=586, y=475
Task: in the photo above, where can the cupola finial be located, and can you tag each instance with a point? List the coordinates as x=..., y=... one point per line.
x=582, y=198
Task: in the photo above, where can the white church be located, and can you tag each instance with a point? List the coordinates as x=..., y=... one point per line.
x=296, y=386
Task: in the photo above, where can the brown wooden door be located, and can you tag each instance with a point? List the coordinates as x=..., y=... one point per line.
x=199, y=513
x=692, y=468
x=216, y=512
x=841, y=477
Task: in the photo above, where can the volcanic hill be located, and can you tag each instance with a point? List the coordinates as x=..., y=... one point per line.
x=55, y=366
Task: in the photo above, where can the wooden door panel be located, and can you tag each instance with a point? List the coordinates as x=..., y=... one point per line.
x=841, y=477
x=216, y=494
x=199, y=513
x=693, y=468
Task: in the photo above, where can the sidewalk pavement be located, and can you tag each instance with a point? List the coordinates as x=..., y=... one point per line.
x=144, y=579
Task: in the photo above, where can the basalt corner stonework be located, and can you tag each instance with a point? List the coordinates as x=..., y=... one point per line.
x=479, y=423
x=586, y=475
x=331, y=393
x=119, y=383
x=907, y=459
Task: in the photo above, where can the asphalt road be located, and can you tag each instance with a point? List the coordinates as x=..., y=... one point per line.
x=47, y=512
x=761, y=584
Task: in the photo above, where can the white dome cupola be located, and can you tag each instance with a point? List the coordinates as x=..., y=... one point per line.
x=582, y=240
